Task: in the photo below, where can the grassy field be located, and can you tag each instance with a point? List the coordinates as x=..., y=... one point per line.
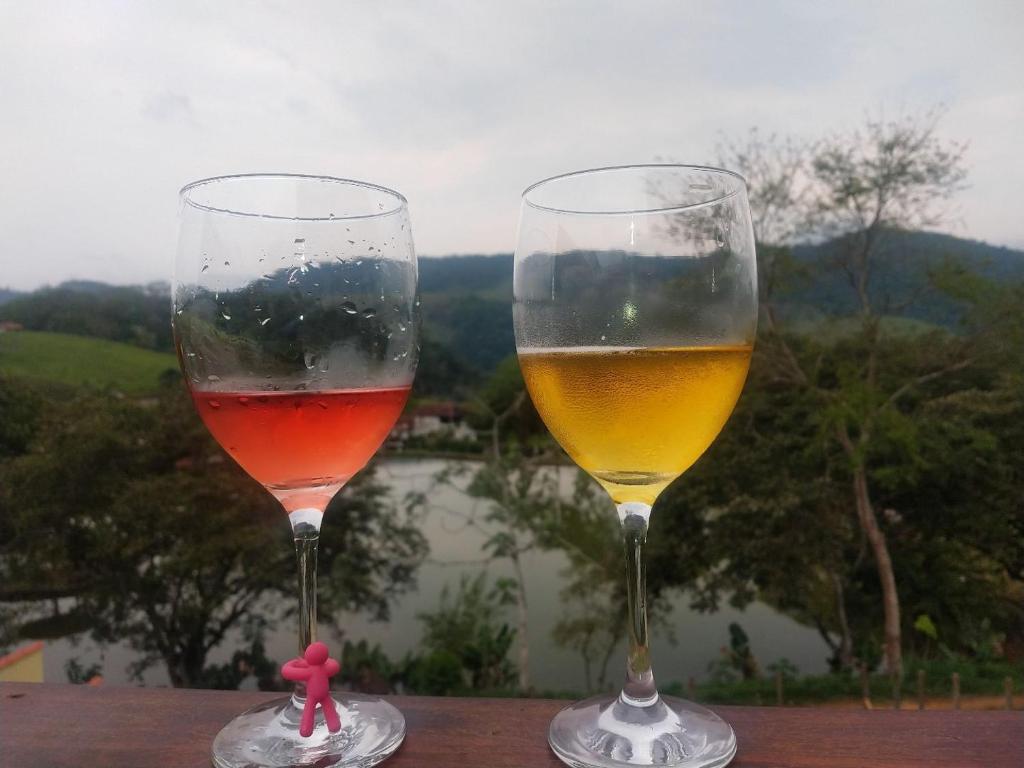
x=80, y=360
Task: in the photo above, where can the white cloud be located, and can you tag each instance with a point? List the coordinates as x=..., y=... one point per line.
x=108, y=108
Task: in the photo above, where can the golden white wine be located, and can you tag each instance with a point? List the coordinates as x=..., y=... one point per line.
x=635, y=418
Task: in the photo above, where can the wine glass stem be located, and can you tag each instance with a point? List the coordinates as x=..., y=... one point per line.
x=639, y=690
x=305, y=553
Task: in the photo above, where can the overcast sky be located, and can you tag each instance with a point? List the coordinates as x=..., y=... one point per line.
x=106, y=109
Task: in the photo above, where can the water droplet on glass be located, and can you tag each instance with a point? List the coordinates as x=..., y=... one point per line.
x=720, y=237
x=227, y=263
x=214, y=404
x=351, y=242
x=264, y=321
x=179, y=311
x=369, y=312
x=190, y=354
x=396, y=308
x=302, y=317
x=225, y=315
x=417, y=301
x=372, y=248
x=311, y=360
x=205, y=267
x=300, y=240
x=243, y=401
x=401, y=327
x=325, y=363
x=359, y=262
x=330, y=215
x=603, y=337
x=213, y=377
x=349, y=308
x=322, y=404
x=340, y=258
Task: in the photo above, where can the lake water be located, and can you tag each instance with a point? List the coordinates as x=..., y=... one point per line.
x=455, y=549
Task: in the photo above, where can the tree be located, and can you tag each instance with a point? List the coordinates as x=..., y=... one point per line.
x=857, y=190
x=131, y=512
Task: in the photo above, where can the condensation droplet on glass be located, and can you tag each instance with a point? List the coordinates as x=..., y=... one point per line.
x=330, y=215
x=401, y=327
x=264, y=321
x=302, y=317
x=179, y=311
x=213, y=377
x=603, y=337
x=371, y=248
x=719, y=237
x=243, y=401
x=349, y=308
x=311, y=359
x=205, y=267
x=225, y=315
x=369, y=312
x=325, y=363
x=359, y=262
x=215, y=404
x=351, y=242
x=300, y=240
x=190, y=354
x=340, y=258
x=227, y=263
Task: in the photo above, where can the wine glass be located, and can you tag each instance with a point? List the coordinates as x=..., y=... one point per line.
x=295, y=322
x=635, y=312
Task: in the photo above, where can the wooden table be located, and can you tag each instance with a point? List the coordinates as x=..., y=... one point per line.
x=53, y=726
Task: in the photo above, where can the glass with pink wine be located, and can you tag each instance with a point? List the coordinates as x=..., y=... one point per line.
x=296, y=324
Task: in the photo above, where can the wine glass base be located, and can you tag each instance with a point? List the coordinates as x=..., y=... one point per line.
x=605, y=732
x=268, y=736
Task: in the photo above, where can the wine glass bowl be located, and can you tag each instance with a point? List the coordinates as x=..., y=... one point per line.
x=296, y=324
x=635, y=310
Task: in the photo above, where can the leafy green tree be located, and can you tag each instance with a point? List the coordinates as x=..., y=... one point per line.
x=134, y=514
x=468, y=627
x=856, y=190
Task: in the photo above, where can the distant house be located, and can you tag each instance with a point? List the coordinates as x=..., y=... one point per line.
x=432, y=419
x=9, y=325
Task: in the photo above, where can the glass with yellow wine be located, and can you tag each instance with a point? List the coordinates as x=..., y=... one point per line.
x=635, y=314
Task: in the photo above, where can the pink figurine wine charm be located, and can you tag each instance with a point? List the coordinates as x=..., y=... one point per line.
x=315, y=668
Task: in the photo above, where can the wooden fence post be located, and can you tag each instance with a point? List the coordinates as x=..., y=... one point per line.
x=778, y=688
x=1008, y=690
x=865, y=686
x=920, y=689
x=956, y=690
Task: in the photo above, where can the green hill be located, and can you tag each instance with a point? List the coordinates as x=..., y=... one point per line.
x=80, y=360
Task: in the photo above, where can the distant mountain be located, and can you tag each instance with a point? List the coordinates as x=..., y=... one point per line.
x=6, y=294
x=132, y=314
x=907, y=259
x=467, y=300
